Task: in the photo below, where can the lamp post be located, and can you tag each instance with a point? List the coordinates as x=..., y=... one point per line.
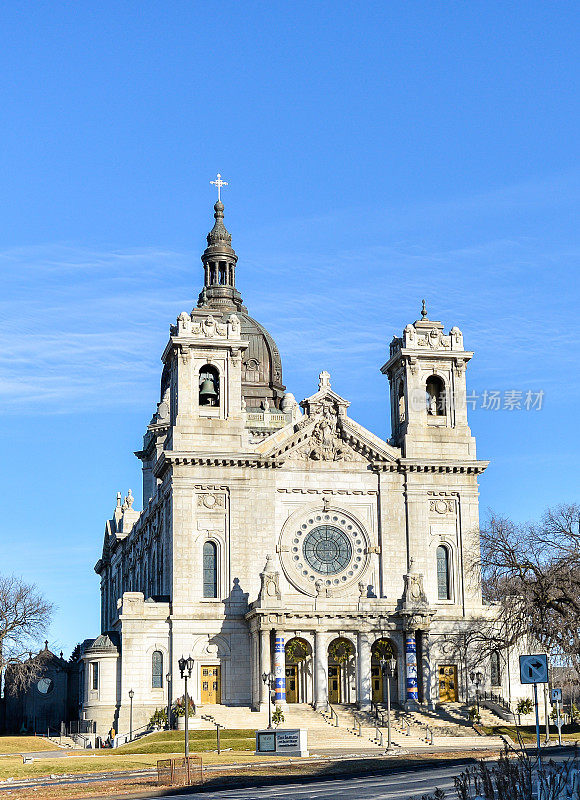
x=168, y=682
x=388, y=666
x=131, y=696
x=269, y=680
x=185, y=668
x=476, y=678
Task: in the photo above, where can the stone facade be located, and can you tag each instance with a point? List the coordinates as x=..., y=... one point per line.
x=45, y=695
x=283, y=537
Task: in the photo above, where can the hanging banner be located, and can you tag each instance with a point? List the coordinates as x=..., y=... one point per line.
x=280, y=669
x=411, y=662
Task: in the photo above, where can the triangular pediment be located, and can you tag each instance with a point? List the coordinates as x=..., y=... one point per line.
x=326, y=434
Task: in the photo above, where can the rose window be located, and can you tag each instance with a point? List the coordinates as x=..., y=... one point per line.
x=326, y=547
x=327, y=550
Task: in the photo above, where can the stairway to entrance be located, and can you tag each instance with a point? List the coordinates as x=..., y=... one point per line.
x=356, y=731
x=322, y=736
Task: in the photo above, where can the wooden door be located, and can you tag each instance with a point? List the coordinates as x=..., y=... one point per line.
x=292, y=684
x=377, y=683
x=448, y=689
x=211, y=685
x=334, y=683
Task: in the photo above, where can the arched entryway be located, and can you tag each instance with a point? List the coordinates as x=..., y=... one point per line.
x=298, y=654
x=341, y=671
x=383, y=648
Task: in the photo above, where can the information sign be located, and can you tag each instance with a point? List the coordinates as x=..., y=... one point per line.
x=266, y=742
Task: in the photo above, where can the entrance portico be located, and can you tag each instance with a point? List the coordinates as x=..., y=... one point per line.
x=323, y=665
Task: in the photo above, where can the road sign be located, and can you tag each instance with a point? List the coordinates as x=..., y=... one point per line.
x=556, y=695
x=534, y=669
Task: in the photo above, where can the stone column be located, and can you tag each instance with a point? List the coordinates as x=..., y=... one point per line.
x=411, y=670
x=427, y=671
x=264, y=665
x=364, y=691
x=320, y=671
x=280, y=668
x=254, y=669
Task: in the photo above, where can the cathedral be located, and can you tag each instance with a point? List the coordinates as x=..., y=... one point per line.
x=283, y=537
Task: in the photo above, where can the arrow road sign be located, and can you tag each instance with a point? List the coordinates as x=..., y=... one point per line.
x=534, y=669
x=556, y=695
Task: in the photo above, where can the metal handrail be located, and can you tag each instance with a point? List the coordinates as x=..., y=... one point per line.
x=429, y=737
x=333, y=716
x=496, y=698
x=379, y=736
x=356, y=724
x=144, y=728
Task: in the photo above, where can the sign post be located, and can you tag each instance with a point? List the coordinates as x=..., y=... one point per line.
x=557, y=698
x=534, y=669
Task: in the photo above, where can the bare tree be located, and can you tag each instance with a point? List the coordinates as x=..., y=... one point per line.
x=531, y=573
x=24, y=618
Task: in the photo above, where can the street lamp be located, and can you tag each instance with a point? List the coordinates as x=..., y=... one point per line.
x=388, y=667
x=131, y=696
x=269, y=680
x=168, y=682
x=185, y=668
x=476, y=678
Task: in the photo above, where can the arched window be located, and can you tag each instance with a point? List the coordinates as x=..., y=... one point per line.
x=157, y=670
x=435, y=396
x=210, y=569
x=495, y=668
x=209, y=386
x=443, y=587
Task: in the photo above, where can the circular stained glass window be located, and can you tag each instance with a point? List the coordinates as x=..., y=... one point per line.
x=45, y=686
x=327, y=550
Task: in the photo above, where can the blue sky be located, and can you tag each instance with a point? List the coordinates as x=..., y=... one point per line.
x=377, y=153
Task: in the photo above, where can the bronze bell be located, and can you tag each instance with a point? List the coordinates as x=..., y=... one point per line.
x=207, y=393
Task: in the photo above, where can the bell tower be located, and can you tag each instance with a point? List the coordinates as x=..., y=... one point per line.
x=426, y=371
x=219, y=262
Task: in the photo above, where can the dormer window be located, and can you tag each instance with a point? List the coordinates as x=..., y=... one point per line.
x=209, y=386
x=435, y=396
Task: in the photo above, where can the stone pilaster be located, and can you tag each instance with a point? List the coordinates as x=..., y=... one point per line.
x=364, y=689
x=320, y=671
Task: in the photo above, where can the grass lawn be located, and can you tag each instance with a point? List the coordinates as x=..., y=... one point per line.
x=12, y=767
x=241, y=776
x=24, y=744
x=142, y=754
x=570, y=733
x=199, y=742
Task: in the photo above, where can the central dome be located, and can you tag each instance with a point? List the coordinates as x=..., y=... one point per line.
x=262, y=366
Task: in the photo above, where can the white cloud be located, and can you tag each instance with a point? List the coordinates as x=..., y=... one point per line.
x=86, y=328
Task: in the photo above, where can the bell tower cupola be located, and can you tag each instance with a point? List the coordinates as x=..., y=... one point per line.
x=219, y=262
x=426, y=371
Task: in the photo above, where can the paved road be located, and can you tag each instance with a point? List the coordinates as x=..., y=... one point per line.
x=399, y=786
x=396, y=787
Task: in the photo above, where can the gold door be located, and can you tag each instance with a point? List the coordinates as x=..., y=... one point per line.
x=334, y=684
x=448, y=690
x=292, y=683
x=211, y=688
x=377, y=683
